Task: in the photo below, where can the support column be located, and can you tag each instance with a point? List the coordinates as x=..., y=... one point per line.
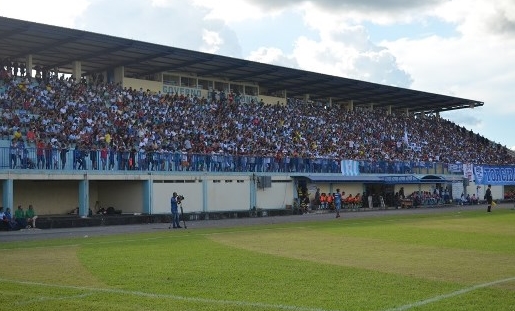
x=306, y=98
x=389, y=110
x=119, y=73
x=351, y=105
x=147, y=196
x=28, y=67
x=8, y=194
x=205, y=206
x=84, y=196
x=253, y=190
x=77, y=70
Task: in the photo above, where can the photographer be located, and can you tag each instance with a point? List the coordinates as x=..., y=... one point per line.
x=174, y=202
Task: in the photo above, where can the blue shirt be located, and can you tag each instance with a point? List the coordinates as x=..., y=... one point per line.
x=174, y=205
x=337, y=198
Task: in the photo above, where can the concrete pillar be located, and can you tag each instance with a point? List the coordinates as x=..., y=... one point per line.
x=77, y=69
x=253, y=192
x=119, y=73
x=306, y=98
x=351, y=105
x=84, y=196
x=205, y=205
x=147, y=196
x=28, y=67
x=8, y=194
x=389, y=110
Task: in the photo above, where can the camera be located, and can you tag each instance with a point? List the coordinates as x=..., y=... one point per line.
x=180, y=197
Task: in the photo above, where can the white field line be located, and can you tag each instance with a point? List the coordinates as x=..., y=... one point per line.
x=261, y=306
x=450, y=295
x=41, y=299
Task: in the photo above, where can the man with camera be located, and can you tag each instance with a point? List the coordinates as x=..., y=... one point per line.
x=174, y=202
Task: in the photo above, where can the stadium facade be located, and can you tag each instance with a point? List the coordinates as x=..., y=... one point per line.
x=210, y=184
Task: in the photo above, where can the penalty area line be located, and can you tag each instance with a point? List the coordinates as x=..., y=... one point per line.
x=450, y=295
x=261, y=306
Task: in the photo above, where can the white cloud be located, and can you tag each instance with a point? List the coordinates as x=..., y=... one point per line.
x=345, y=50
x=53, y=12
x=273, y=56
x=231, y=11
x=212, y=41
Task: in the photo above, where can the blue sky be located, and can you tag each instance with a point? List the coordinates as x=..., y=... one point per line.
x=463, y=48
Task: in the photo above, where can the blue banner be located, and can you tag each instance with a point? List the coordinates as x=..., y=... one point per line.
x=494, y=175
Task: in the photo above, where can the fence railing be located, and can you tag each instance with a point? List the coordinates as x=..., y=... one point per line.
x=74, y=159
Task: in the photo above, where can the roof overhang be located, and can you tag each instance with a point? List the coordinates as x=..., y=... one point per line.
x=342, y=179
x=419, y=179
x=57, y=47
x=383, y=179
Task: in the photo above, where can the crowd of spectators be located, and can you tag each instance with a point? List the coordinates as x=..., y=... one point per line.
x=106, y=126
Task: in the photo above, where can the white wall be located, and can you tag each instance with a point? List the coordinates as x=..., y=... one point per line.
x=277, y=197
x=227, y=194
x=162, y=191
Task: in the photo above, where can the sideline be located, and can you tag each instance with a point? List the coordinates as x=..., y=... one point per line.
x=450, y=295
x=168, y=296
x=46, y=234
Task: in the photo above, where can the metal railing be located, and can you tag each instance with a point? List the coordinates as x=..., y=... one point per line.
x=112, y=160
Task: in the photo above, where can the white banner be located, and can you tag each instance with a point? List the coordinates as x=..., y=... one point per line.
x=349, y=167
x=468, y=171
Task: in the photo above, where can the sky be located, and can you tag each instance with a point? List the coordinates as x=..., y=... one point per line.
x=462, y=48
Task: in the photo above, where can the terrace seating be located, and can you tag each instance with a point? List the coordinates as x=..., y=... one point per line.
x=88, y=112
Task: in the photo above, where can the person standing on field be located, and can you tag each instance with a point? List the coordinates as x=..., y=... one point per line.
x=174, y=206
x=488, y=198
x=338, y=202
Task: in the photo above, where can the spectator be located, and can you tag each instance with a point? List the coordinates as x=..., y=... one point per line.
x=3, y=221
x=20, y=218
x=474, y=199
x=8, y=220
x=69, y=111
x=31, y=216
x=463, y=199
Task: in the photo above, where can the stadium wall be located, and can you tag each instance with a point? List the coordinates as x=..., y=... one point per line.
x=149, y=193
x=132, y=193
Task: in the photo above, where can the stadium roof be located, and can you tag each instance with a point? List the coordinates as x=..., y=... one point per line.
x=57, y=47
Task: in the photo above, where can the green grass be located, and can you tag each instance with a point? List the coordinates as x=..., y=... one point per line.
x=449, y=261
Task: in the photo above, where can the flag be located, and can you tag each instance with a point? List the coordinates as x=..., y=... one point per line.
x=349, y=167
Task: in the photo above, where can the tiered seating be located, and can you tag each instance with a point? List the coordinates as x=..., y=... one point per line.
x=273, y=137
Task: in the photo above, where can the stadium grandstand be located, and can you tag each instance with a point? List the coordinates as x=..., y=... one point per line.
x=89, y=121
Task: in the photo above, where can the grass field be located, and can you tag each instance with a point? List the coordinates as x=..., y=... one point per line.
x=448, y=261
